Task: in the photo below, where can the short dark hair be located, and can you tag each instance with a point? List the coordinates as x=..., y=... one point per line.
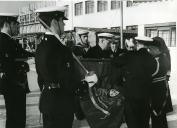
x=48, y=16
x=7, y=19
x=47, y=20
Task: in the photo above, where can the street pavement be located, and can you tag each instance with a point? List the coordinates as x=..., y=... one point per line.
x=34, y=119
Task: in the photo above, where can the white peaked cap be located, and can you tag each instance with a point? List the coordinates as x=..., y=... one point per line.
x=51, y=9
x=9, y=14
x=82, y=32
x=144, y=38
x=106, y=35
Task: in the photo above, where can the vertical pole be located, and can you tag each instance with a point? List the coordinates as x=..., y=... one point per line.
x=121, y=24
x=72, y=10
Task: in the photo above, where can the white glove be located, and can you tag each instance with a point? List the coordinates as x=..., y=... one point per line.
x=1, y=74
x=91, y=79
x=31, y=60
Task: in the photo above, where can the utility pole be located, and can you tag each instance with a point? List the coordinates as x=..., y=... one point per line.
x=121, y=24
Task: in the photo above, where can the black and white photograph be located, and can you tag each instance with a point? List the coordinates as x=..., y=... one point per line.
x=88, y=64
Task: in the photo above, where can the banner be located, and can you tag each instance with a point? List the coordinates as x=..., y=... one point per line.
x=102, y=110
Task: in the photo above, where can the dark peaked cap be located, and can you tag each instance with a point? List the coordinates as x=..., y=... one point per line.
x=52, y=11
x=157, y=41
x=9, y=16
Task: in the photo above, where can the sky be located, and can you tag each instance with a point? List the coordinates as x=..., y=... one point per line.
x=12, y=6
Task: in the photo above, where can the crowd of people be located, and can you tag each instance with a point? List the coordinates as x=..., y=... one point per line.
x=144, y=64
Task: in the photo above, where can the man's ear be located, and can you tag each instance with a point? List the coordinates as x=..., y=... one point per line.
x=6, y=25
x=101, y=40
x=53, y=22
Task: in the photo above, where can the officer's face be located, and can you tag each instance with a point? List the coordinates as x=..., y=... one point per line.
x=14, y=26
x=61, y=25
x=106, y=43
x=113, y=46
x=84, y=39
x=58, y=25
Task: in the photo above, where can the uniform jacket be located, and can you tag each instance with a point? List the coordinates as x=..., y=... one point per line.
x=54, y=64
x=160, y=90
x=117, y=53
x=137, y=68
x=97, y=52
x=79, y=50
x=15, y=76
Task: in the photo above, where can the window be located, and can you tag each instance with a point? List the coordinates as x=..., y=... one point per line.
x=78, y=9
x=102, y=6
x=22, y=19
x=165, y=34
x=129, y=3
x=89, y=7
x=115, y=28
x=173, y=37
x=168, y=33
x=133, y=27
x=27, y=17
x=67, y=11
x=32, y=18
x=115, y=4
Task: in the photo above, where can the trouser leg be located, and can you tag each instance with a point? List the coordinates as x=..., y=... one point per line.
x=15, y=109
x=57, y=121
x=159, y=121
x=137, y=114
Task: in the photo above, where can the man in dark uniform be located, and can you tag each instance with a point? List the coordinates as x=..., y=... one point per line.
x=13, y=69
x=115, y=47
x=101, y=49
x=55, y=69
x=138, y=67
x=81, y=48
x=160, y=101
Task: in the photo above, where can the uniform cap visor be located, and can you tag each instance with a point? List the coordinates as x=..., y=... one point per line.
x=9, y=15
x=52, y=10
x=106, y=35
x=144, y=38
x=82, y=32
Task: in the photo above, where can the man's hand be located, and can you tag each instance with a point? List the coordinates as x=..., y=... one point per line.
x=1, y=74
x=91, y=78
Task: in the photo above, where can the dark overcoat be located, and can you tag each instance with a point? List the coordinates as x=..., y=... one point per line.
x=14, y=84
x=97, y=52
x=138, y=67
x=161, y=99
x=54, y=64
x=13, y=65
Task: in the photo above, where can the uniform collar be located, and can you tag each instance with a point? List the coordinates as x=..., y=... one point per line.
x=7, y=34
